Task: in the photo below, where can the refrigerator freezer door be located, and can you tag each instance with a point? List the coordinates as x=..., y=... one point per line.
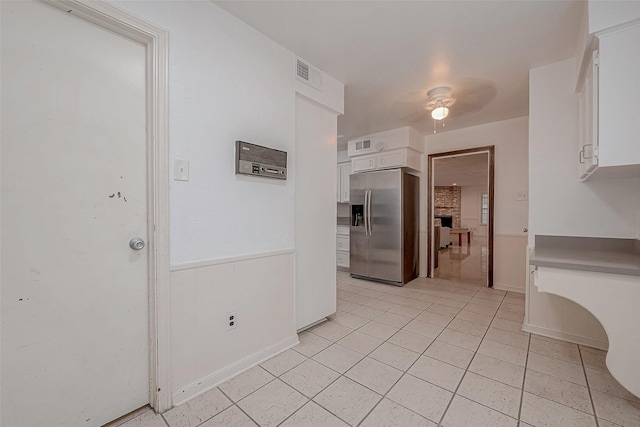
x=385, y=242
x=358, y=238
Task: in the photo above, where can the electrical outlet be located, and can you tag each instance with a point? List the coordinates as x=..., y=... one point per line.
x=231, y=320
x=522, y=196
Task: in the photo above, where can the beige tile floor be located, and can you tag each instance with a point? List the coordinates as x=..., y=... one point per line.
x=430, y=353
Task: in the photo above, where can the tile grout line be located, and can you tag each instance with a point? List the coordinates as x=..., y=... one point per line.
x=464, y=374
x=586, y=379
x=524, y=378
x=236, y=405
x=367, y=355
x=420, y=354
x=406, y=372
x=164, y=419
x=383, y=396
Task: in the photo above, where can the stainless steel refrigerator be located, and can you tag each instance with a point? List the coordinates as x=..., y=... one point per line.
x=384, y=226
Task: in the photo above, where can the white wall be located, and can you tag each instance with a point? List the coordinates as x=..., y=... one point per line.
x=227, y=82
x=471, y=208
x=510, y=138
x=560, y=203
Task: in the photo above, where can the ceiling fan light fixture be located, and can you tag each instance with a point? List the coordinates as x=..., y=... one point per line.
x=439, y=113
x=439, y=102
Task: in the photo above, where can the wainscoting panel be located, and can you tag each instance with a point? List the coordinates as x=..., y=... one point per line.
x=257, y=290
x=510, y=262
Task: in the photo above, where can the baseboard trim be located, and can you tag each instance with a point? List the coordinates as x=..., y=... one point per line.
x=213, y=380
x=509, y=288
x=311, y=325
x=577, y=339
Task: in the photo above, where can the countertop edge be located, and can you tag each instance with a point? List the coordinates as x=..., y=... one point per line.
x=562, y=264
x=596, y=254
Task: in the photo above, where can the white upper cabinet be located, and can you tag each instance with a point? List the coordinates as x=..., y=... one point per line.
x=344, y=171
x=610, y=106
x=396, y=148
x=588, y=120
x=619, y=97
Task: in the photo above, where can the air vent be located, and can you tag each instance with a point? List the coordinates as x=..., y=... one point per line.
x=303, y=70
x=363, y=145
x=308, y=74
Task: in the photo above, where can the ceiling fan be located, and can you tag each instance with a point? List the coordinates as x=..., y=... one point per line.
x=462, y=97
x=439, y=102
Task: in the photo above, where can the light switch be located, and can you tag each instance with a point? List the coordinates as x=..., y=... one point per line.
x=181, y=170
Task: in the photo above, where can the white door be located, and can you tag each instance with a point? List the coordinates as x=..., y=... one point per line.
x=75, y=335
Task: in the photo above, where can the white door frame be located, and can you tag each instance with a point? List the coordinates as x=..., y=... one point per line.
x=156, y=43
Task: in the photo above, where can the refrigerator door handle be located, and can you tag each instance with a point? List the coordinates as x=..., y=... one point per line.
x=369, y=212
x=366, y=226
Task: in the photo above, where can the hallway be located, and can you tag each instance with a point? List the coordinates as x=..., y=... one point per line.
x=464, y=264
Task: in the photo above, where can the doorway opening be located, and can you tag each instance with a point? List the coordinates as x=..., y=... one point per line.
x=460, y=206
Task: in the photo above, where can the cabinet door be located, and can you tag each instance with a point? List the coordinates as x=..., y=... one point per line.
x=588, y=120
x=342, y=243
x=345, y=172
x=342, y=259
x=618, y=95
x=391, y=160
x=364, y=164
x=338, y=183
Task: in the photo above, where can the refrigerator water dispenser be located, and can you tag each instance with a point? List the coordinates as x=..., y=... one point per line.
x=357, y=215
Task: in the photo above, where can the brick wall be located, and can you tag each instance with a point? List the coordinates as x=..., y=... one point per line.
x=447, y=201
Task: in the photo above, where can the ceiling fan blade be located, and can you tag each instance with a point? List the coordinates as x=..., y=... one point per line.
x=407, y=110
x=472, y=95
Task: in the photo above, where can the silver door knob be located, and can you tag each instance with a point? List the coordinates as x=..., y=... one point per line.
x=136, y=243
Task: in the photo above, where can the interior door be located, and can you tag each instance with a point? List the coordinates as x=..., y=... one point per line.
x=385, y=245
x=358, y=237
x=74, y=193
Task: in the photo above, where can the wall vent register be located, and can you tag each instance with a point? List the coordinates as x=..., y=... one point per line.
x=256, y=160
x=308, y=74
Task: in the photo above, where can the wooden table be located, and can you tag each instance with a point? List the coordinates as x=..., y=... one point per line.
x=460, y=232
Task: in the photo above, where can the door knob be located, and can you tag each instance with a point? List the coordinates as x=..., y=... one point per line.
x=136, y=243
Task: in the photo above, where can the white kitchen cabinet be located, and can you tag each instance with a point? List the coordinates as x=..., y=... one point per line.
x=344, y=171
x=342, y=243
x=342, y=259
x=588, y=120
x=364, y=163
x=610, y=146
x=391, y=160
x=342, y=246
x=338, y=179
x=398, y=158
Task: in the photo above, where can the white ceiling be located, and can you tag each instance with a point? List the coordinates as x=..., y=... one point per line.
x=390, y=53
x=470, y=169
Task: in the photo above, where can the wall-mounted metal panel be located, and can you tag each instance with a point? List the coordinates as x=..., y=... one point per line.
x=261, y=161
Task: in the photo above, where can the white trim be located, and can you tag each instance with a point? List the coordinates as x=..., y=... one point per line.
x=564, y=336
x=522, y=235
x=157, y=48
x=311, y=325
x=509, y=288
x=213, y=380
x=218, y=261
